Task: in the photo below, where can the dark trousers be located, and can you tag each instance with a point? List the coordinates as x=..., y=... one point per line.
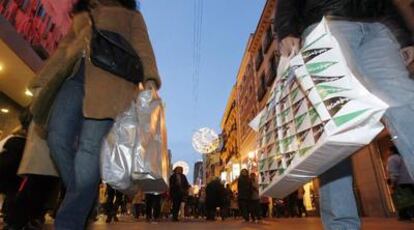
x=254, y=207
x=176, y=206
x=265, y=209
x=301, y=208
x=406, y=213
x=153, y=206
x=113, y=205
x=211, y=212
x=30, y=202
x=244, y=208
x=139, y=210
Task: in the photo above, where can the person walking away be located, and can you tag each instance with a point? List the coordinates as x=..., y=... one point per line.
x=358, y=27
x=228, y=196
x=86, y=98
x=301, y=204
x=139, y=204
x=264, y=204
x=166, y=206
x=215, y=193
x=234, y=206
x=178, y=190
x=400, y=179
x=153, y=207
x=114, y=201
x=202, y=202
x=10, y=182
x=254, y=203
x=244, y=187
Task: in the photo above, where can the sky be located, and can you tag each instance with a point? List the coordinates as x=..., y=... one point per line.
x=226, y=27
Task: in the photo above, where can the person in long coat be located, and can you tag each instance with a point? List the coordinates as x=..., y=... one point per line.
x=77, y=101
x=244, y=187
x=178, y=190
x=215, y=196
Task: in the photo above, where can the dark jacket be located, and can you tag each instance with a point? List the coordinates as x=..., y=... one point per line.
x=178, y=190
x=215, y=194
x=293, y=16
x=9, y=163
x=244, y=186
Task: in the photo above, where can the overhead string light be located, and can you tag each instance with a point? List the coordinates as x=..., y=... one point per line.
x=197, y=45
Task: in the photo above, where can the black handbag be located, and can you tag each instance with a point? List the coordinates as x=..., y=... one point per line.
x=113, y=53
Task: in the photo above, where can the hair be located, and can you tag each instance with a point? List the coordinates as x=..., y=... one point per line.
x=85, y=5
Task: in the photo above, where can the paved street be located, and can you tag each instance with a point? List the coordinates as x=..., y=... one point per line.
x=274, y=224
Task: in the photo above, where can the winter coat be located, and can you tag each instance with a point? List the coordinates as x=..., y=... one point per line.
x=10, y=159
x=178, y=190
x=244, y=186
x=293, y=16
x=215, y=194
x=106, y=95
x=36, y=158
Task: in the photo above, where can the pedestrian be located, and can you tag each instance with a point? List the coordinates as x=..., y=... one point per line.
x=10, y=158
x=166, y=206
x=228, y=196
x=400, y=179
x=113, y=203
x=264, y=204
x=292, y=204
x=254, y=203
x=202, y=202
x=88, y=94
x=153, y=207
x=358, y=28
x=300, y=203
x=139, y=204
x=178, y=190
x=244, y=187
x=234, y=206
x=215, y=195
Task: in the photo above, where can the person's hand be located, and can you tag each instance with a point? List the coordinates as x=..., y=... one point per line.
x=289, y=45
x=408, y=54
x=150, y=85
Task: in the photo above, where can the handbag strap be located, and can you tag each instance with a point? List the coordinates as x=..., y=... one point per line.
x=92, y=20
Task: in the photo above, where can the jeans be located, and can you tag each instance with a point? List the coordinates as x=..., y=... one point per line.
x=373, y=54
x=75, y=144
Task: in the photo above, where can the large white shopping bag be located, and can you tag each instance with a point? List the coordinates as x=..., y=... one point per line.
x=317, y=115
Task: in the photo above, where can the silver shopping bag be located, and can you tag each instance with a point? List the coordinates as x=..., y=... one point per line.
x=134, y=154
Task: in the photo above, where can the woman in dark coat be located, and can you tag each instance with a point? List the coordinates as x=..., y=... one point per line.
x=178, y=190
x=244, y=186
x=215, y=195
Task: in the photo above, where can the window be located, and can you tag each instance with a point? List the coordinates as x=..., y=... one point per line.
x=272, y=72
x=259, y=58
x=262, y=87
x=268, y=39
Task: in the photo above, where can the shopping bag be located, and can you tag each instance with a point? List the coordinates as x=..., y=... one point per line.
x=317, y=115
x=134, y=154
x=403, y=197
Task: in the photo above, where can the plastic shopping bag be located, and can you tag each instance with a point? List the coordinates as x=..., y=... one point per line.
x=134, y=154
x=317, y=115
